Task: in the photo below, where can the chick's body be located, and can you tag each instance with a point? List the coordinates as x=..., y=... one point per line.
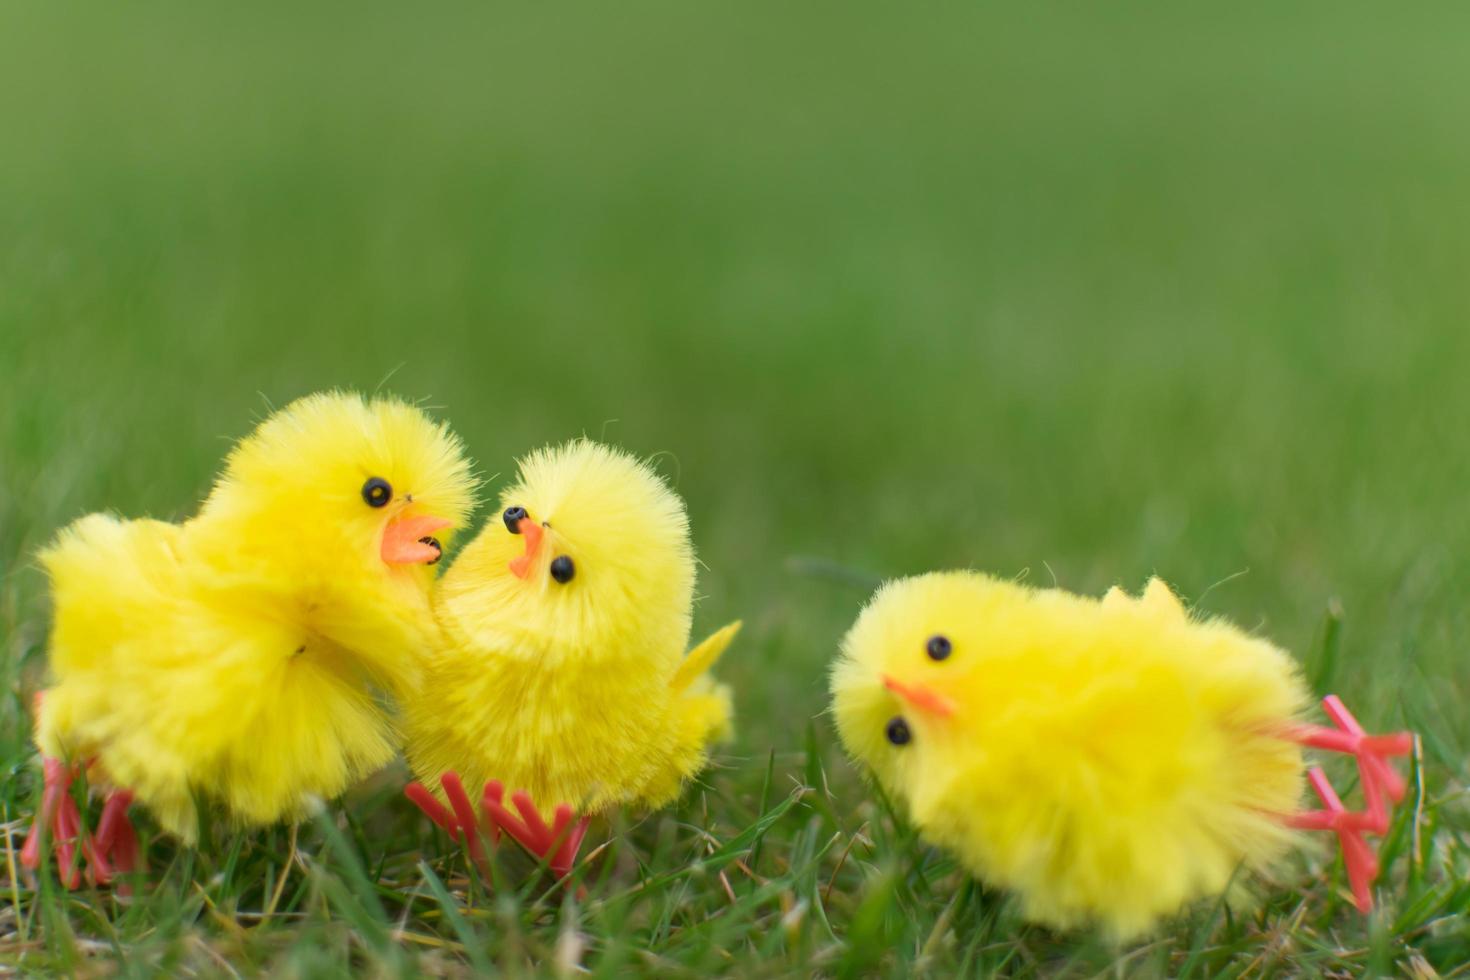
x=1108, y=760
x=561, y=669
x=239, y=656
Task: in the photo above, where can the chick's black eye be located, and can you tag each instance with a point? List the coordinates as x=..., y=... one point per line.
x=938, y=647
x=898, y=732
x=376, y=492
x=562, y=569
x=513, y=517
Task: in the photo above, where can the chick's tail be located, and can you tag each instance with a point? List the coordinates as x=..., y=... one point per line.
x=700, y=715
x=698, y=661
x=699, y=718
x=703, y=710
x=705, y=714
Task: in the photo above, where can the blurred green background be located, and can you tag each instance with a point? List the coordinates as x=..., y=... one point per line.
x=1088, y=294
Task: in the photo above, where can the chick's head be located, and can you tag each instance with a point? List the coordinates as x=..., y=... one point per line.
x=903, y=685
x=589, y=557
x=345, y=503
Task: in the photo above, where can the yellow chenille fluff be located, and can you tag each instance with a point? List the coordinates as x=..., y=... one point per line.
x=240, y=657
x=576, y=691
x=1107, y=760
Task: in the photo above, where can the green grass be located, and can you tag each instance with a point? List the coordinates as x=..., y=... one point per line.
x=1080, y=296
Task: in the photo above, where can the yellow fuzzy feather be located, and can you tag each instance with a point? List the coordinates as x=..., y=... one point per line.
x=236, y=657
x=578, y=691
x=1107, y=760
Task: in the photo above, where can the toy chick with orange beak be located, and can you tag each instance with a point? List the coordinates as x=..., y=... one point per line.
x=562, y=675
x=1107, y=760
x=239, y=657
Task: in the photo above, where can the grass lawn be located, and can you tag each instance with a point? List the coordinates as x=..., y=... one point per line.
x=1080, y=297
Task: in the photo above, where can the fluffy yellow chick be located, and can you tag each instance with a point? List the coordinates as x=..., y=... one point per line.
x=239, y=657
x=562, y=672
x=1107, y=760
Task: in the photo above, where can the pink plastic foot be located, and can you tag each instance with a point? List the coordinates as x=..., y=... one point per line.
x=459, y=815
x=1381, y=784
x=556, y=844
x=1357, y=855
x=1382, y=787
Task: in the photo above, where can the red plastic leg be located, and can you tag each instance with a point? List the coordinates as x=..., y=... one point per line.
x=464, y=812
x=99, y=866
x=125, y=854
x=566, y=855
x=113, y=848
x=491, y=793
x=68, y=833
x=490, y=801
x=114, y=818
x=60, y=819
x=432, y=808
x=56, y=781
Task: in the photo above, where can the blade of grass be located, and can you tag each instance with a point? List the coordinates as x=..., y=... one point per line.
x=474, y=949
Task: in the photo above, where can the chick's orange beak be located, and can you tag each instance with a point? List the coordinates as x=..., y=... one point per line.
x=921, y=697
x=520, y=566
x=404, y=540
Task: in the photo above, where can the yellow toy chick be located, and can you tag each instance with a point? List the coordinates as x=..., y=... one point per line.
x=238, y=657
x=1107, y=760
x=562, y=672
